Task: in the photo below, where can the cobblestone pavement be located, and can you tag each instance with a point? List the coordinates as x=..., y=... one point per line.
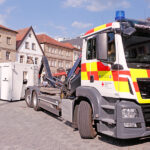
x=22, y=128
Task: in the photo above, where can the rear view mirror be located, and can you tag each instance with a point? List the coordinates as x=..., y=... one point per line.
x=102, y=46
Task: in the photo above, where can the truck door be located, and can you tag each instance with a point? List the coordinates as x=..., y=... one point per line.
x=99, y=73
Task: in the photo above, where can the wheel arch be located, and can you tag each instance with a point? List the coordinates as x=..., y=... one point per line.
x=91, y=95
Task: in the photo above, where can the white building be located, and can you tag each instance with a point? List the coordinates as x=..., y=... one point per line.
x=29, y=50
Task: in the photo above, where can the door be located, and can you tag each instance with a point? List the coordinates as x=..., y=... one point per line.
x=98, y=73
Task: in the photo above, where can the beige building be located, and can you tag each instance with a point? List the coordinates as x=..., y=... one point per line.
x=60, y=55
x=7, y=44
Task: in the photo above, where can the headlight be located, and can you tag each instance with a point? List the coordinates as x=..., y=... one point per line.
x=129, y=113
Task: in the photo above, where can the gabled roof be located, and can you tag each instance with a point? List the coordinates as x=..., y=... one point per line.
x=22, y=33
x=5, y=28
x=45, y=39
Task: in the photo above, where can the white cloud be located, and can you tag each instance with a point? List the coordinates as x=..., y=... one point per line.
x=2, y=1
x=5, y=15
x=61, y=28
x=97, y=5
x=81, y=25
x=74, y=3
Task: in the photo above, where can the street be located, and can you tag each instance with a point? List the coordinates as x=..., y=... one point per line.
x=22, y=128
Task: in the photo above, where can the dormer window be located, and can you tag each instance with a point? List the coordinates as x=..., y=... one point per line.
x=30, y=35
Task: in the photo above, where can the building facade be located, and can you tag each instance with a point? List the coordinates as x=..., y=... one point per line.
x=76, y=42
x=7, y=44
x=60, y=55
x=29, y=50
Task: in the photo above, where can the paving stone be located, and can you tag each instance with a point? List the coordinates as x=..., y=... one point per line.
x=22, y=128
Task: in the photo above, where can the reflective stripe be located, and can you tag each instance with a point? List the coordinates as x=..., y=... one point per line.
x=98, y=28
x=102, y=72
x=121, y=86
x=91, y=66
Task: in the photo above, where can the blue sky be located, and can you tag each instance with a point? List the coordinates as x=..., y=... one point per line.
x=67, y=18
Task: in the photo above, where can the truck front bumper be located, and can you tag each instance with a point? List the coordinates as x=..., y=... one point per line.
x=128, y=126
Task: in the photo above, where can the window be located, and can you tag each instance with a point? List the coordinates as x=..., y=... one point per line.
x=27, y=45
x=59, y=52
x=0, y=38
x=7, y=55
x=8, y=40
x=30, y=60
x=52, y=50
x=36, y=60
x=68, y=65
x=111, y=48
x=52, y=63
x=30, y=35
x=55, y=63
x=49, y=62
x=62, y=52
x=55, y=51
x=33, y=46
x=21, y=59
x=66, y=53
x=91, y=48
x=59, y=64
x=49, y=49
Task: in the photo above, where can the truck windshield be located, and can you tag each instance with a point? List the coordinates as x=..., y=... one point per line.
x=137, y=49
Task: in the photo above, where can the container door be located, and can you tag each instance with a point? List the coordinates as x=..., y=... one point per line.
x=6, y=83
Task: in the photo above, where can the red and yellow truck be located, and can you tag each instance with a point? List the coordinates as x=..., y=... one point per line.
x=110, y=92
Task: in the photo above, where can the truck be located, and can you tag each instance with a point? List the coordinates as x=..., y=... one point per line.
x=108, y=89
x=15, y=78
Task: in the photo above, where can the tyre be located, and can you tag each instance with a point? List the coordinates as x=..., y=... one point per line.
x=35, y=101
x=28, y=98
x=75, y=117
x=85, y=121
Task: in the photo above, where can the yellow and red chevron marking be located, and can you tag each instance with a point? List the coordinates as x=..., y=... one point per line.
x=139, y=73
x=98, y=28
x=102, y=72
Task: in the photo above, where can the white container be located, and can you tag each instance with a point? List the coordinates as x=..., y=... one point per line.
x=15, y=78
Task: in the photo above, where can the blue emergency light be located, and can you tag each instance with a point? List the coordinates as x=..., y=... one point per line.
x=120, y=15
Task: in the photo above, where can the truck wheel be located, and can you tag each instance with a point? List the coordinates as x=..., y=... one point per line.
x=85, y=121
x=35, y=101
x=28, y=99
x=75, y=117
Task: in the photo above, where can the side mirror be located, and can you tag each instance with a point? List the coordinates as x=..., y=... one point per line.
x=102, y=46
x=129, y=31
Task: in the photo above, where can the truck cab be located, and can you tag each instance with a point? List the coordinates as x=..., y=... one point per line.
x=116, y=64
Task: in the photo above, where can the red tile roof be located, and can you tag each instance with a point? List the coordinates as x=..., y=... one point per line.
x=43, y=38
x=5, y=28
x=21, y=35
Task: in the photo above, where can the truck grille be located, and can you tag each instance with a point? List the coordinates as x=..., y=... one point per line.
x=144, y=87
x=146, y=114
